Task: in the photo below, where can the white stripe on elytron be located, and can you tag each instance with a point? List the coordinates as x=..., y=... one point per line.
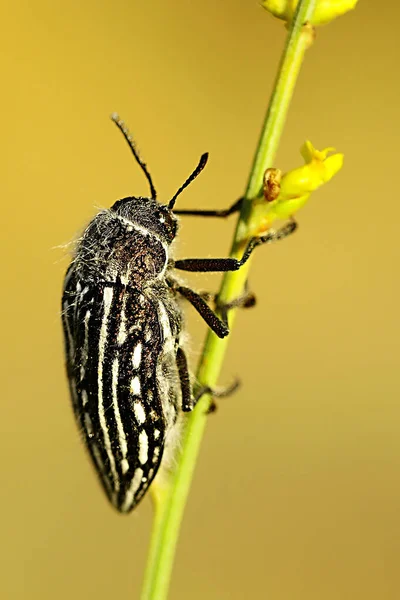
x=74, y=393
x=69, y=334
x=88, y=424
x=100, y=465
x=156, y=453
x=166, y=327
x=139, y=412
x=108, y=295
x=122, y=328
x=135, y=386
x=121, y=432
x=84, y=397
x=85, y=349
x=137, y=356
x=143, y=447
x=136, y=481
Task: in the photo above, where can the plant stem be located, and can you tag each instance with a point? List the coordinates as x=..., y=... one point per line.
x=170, y=496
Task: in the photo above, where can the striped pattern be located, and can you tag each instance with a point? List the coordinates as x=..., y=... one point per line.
x=120, y=352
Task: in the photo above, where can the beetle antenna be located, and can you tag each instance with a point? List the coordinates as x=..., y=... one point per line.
x=125, y=132
x=202, y=163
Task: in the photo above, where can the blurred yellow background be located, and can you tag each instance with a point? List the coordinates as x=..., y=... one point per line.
x=296, y=494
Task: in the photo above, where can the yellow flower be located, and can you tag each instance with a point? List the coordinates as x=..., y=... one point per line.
x=325, y=10
x=296, y=185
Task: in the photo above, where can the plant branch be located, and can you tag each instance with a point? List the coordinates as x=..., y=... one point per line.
x=170, y=496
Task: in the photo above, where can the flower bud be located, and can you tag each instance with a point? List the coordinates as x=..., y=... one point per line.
x=296, y=185
x=324, y=12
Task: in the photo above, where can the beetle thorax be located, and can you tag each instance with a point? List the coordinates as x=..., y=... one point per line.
x=125, y=249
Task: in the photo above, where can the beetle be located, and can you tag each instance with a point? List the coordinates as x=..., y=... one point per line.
x=127, y=368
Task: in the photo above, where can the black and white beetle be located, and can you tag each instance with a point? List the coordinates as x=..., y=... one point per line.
x=127, y=370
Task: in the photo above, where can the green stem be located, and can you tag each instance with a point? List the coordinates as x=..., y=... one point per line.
x=170, y=496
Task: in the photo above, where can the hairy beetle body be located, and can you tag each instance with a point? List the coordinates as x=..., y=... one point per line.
x=123, y=325
x=127, y=370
